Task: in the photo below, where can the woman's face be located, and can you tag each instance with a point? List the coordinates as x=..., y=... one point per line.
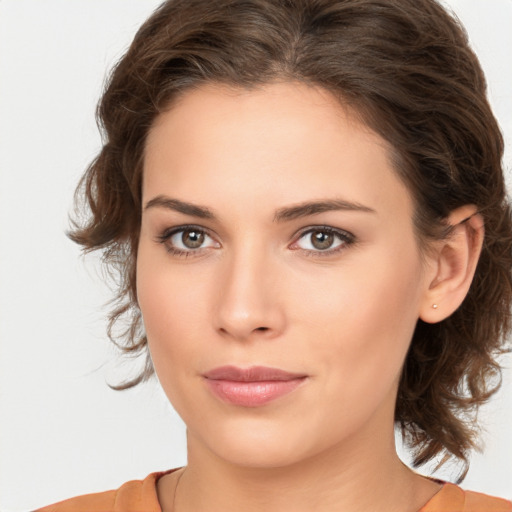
x=276, y=234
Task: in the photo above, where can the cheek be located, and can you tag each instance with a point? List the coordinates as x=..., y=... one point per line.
x=361, y=320
x=172, y=308
x=172, y=320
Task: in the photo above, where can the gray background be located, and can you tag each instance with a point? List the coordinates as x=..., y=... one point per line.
x=63, y=431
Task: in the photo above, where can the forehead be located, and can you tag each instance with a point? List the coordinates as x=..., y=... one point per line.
x=269, y=105
x=283, y=141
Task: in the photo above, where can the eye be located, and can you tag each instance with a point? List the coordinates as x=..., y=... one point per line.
x=184, y=240
x=323, y=239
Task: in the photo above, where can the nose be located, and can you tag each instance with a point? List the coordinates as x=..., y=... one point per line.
x=248, y=304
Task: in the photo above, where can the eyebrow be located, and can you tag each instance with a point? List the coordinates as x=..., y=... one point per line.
x=283, y=214
x=180, y=206
x=314, y=207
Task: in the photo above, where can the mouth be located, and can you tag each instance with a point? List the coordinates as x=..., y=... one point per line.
x=251, y=387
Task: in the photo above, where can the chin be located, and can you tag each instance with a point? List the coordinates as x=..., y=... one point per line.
x=257, y=444
x=262, y=456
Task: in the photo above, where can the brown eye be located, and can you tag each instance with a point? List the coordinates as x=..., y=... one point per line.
x=187, y=240
x=321, y=240
x=325, y=240
x=192, y=239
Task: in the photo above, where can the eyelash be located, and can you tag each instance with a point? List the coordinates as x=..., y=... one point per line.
x=345, y=237
x=169, y=233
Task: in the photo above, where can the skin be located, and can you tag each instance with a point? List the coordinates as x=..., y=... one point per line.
x=258, y=292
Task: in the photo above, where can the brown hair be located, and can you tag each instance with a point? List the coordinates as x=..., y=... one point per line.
x=405, y=66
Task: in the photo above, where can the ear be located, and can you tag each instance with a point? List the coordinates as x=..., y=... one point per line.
x=452, y=265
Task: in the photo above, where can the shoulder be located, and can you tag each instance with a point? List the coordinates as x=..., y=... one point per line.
x=132, y=496
x=478, y=502
x=451, y=498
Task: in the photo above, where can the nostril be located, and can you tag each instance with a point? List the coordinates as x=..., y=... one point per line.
x=262, y=329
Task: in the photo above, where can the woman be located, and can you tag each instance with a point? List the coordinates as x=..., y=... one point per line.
x=306, y=203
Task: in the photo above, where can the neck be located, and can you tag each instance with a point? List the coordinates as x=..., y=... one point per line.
x=360, y=475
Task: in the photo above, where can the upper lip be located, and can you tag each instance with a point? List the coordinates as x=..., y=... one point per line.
x=252, y=374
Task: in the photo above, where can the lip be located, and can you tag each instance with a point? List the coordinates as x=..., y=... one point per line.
x=251, y=374
x=251, y=387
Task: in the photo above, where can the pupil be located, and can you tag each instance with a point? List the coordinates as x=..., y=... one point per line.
x=192, y=239
x=322, y=240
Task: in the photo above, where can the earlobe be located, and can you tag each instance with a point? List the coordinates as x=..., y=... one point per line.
x=453, y=265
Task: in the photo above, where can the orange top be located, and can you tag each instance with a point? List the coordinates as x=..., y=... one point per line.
x=140, y=496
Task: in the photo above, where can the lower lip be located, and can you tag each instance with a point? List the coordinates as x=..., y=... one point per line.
x=252, y=394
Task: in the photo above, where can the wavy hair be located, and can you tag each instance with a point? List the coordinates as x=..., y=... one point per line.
x=405, y=66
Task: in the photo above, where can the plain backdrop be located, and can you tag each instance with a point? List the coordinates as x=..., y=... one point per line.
x=63, y=431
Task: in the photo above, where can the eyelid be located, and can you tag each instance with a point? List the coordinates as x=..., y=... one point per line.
x=346, y=237
x=168, y=233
